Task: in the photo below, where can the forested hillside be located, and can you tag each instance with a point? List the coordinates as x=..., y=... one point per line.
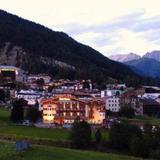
x=38, y=49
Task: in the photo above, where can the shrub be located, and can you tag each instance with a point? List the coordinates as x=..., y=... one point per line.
x=126, y=111
x=121, y=133
x=33, y=114
x=17, y=112
x=139, y=147
x=155, y=154
x=81, y=135
x=98, y=136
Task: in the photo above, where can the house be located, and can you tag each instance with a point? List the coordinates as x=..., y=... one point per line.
x=97, y=111
x=132, y=98
x=79, y=94
x=12, y=73
x=111, y=92
x=82, y=95
x=57, y=92
x=93, y=92
x=152, y=89
x=63, y=109
x=150, y=107
x=113, y=103
x=34, y=77
x=73, y=85
x=116, y=86
x=30, y=96
x=66, y=108
x=151, y=95
x=157, y=99
x=41, y=81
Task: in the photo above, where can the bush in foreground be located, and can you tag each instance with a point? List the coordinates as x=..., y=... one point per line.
x=127, y=111
x=17, y=112
x=81, y=135
x=98, y=136
x=33, y=114
x=139, y=147
x=120, y=135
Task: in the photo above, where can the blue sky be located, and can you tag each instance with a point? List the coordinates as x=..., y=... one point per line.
x=109, y=26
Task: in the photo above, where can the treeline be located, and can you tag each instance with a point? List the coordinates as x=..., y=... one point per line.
x=130, y=138
x=123, y=137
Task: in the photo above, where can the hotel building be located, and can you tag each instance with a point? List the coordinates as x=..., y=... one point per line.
x=66, y=108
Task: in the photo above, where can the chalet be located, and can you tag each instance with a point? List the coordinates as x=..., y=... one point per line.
x=66, y=108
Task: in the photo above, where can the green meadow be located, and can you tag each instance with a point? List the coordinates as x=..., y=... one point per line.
x=43, y=152
x=7, y=152
x=19, y=132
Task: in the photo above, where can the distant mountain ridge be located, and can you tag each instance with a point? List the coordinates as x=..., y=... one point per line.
x=147, y=65
x=154, y=55
x=125, y=57
x=38, y=49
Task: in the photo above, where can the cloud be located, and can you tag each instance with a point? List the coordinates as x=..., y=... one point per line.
x=126, y=21
x=152, y=35
x=129, y=33
x=110, y=26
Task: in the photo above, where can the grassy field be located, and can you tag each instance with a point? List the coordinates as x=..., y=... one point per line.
x=35, y=133
x=4, y=115
x=20, y=132
x=8, y=128
x=7, y=152
x=144, y=120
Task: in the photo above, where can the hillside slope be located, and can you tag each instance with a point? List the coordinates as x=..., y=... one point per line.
x=146, y=67
x=38, y=49
x=154, y=55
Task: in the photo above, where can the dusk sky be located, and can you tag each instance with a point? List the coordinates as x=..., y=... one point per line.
x=109, y=26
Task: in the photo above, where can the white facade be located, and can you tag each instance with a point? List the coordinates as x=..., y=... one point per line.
x=111, y=92
x=113, y=104
x=30, y=96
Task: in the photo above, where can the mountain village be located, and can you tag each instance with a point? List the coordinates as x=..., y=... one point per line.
x=80, y=80
x=62, y=101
